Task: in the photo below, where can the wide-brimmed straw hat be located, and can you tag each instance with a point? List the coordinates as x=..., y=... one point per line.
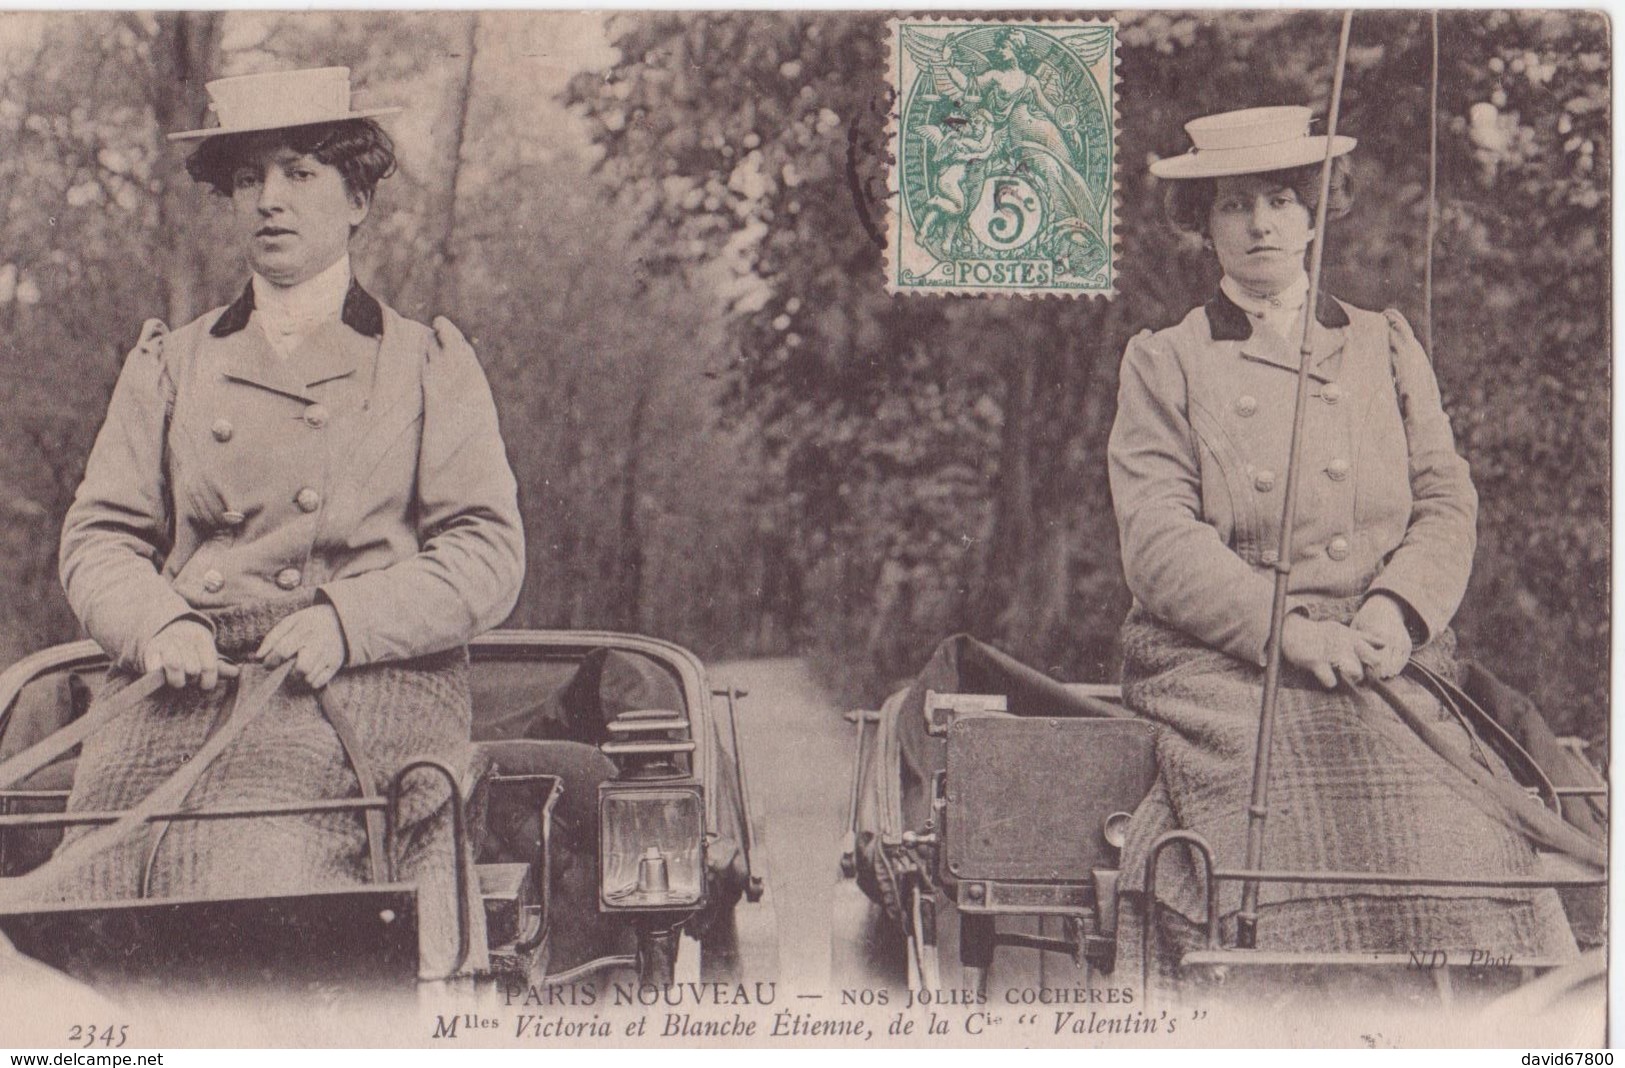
x=1250, y=141
x=278, y=100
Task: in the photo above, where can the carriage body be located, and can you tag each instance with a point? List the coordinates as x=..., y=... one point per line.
x=605, y=815
x=1005, y=867
x=1012, y=851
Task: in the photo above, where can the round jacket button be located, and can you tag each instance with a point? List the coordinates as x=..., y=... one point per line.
x=316, y=416
x=288, y=578
x=1270, y=557
x=213, y=581
x=1246, y=405
x=308, y=500
x=1331, y=393
x=1338, y=548
x=221, y=430
x=232, y=519
x=1337, y=470
x=1264, y=481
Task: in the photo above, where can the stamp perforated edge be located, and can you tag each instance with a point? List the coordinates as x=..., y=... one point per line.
x=894, y=192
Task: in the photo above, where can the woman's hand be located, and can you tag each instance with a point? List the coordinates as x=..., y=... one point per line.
x=313, y=639
x=1326, y=650
x=184, y=651
x=1382, y=621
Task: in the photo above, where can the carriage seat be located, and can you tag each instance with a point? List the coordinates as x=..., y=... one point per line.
x=569, y=700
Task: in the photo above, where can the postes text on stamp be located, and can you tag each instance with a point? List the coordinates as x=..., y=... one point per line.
x=1003, y=145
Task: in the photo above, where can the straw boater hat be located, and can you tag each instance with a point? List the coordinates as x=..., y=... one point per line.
x=1251, y=141
x=279, y=100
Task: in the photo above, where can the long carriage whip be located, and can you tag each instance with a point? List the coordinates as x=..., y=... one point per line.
x=1258, y=806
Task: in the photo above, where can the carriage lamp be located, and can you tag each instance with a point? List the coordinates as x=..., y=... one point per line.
x=651, y=847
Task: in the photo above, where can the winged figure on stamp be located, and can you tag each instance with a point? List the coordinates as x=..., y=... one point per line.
x=1017, y=110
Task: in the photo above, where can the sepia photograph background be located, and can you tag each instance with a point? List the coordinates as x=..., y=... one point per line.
x=660, y=230
x=663, y=233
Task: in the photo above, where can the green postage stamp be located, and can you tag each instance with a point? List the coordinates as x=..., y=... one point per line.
x=1003, y=142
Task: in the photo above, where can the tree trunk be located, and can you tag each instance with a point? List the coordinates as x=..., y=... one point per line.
x=445, y=279
x=1040, y=618
x=1013, y=516
x=185, y=52
x=1024, y=598
x=626, y=605
x=558, y=603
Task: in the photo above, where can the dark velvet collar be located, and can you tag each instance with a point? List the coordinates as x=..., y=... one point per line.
x=1227, y=322
x=362, y=313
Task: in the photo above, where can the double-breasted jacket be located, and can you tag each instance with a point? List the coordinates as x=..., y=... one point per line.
x=367, y=466
x=1198, y=458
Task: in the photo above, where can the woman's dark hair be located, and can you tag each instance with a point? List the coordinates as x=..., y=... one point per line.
x=1189, y=201
x=359, y=148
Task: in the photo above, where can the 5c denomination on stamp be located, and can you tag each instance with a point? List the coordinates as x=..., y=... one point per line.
x=1004, y=150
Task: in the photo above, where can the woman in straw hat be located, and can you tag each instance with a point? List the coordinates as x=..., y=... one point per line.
x=1382, y=547
x=301, y=477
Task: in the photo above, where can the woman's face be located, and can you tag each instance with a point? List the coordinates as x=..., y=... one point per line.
x=294, y=214
x=1260, y=230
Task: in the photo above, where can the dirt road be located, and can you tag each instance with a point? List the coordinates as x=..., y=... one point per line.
x=798, y=750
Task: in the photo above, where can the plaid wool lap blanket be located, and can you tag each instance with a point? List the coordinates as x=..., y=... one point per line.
x=1351, y=788
x=397, y=711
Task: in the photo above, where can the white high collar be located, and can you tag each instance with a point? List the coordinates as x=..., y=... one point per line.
x=1289, y=297
x=1281, y=311
x=287, y=313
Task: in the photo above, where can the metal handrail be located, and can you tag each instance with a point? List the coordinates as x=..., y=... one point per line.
x=546, y=877
x=1215, y=876
x=459, y=835
x=1345, y=878
x=286, y=808
x=1148, y=922
x=389, y=804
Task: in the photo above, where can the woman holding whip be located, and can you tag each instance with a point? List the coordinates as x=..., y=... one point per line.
x=1381, y=544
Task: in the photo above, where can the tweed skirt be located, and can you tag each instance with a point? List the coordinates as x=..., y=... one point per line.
x=396, y=711
x=1351, y=788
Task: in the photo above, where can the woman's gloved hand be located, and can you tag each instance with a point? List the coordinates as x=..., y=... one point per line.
x=184, y=651
x=1326, y=650
x=1382, y=621
x=311, y=637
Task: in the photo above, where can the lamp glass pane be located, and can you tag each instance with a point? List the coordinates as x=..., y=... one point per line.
x=651, y=845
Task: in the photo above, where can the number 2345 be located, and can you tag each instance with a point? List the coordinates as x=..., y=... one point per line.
x=112, y=1036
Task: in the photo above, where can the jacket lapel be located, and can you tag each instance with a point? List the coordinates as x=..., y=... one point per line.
x=1328, y=339
x=362, y=312
x=235, y=317
x=1227, y=322
x=337, y=350
x=248, y=357
x=332, y=351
